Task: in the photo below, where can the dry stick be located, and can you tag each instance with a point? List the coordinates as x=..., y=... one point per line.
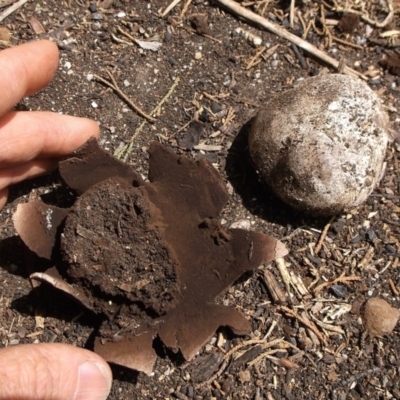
x=393, y=287
x=346, y=43
x=323, y=235
x=277, y=30
x=184, y=9
x=11, y=9
x=305, y=323
x=291, y=16
x=170, y=7
x=113, y=85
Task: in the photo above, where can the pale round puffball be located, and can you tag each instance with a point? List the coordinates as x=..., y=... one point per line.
x=321, y=145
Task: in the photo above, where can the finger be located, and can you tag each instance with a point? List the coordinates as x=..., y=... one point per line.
x=31, y=169
x=25, y=69
x=51, y=371
x=25, y=136
x=3, y=197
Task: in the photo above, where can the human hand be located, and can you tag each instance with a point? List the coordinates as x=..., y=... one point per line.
x=31, y=142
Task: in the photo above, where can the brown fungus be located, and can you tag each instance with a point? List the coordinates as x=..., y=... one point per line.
x=151, y=257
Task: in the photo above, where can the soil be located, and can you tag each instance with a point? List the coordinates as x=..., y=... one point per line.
x=207, y=113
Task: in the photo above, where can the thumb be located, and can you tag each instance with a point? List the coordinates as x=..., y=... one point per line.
x=3, y=197
x=52, y=371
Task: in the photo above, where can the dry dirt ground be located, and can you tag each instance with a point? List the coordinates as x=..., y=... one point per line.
x=214, y=80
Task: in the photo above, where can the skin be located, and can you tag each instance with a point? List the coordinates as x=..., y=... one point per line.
x=31, y=144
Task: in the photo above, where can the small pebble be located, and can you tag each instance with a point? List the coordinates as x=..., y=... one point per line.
x=93, y=8
x=97, y=16
x=339, y=291
x=357, y=239
x=96, y=26
x=371, y=235
x=244, y=376
x=275, y=63
x=379, y=317
x=241, y=224
x=197, y=55
x=338, y=226
x=215, y=107
x=390, y=249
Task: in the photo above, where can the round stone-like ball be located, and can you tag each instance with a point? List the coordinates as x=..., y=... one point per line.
x=321, y=145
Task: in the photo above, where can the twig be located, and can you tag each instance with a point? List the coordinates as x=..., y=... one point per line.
x=113, y=85
x=271, y=328
x=187, y=28
x=346, y=43
x=341, y=279
x=307, y=324
x=281, y=265
x=393, y=287
x=277, y=30
x=184, y=9
x=322, y=236
x=11, y=9
x=263, y=355
x=170, y=7
x=120, y=30
x=291, y=15
x=299, y=56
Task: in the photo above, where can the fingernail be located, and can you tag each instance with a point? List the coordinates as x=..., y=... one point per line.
x=94, y=381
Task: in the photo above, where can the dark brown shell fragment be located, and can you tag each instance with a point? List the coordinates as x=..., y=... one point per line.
x=152, y=256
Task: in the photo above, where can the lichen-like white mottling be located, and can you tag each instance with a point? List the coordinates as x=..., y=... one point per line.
x=49, y=225
x=321, y=145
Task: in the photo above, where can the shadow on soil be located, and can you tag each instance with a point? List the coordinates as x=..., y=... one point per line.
x=256, y=196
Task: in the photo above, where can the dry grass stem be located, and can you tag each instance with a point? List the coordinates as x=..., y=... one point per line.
x=291, y=13
x=184, y=9
x=170, y=7
x=11, y=9
x=393, y=287
x=365, y=261
x=277, y=30
x=256, y=58
x=323, y=235
x=328, y=327
x=341, y=279
x=346, y=43
x=307, y=324
x=125, y=151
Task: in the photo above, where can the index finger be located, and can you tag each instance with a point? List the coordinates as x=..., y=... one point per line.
x=25, y=69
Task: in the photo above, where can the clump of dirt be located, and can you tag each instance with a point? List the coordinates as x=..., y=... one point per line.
x=113, y=244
